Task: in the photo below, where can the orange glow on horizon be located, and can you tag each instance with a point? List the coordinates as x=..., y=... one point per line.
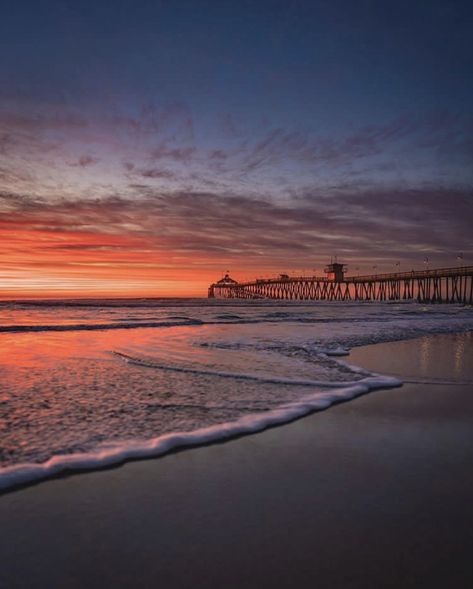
x=39, y=263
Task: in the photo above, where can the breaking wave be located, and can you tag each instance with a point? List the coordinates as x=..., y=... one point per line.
x=114, y=454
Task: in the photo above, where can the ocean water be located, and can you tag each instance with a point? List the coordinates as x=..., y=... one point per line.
x=89, y=384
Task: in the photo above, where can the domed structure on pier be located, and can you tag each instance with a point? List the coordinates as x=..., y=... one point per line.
x=226, y=280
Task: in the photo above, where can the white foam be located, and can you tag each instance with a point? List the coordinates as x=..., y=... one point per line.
x=340, y=351
x=109, y=455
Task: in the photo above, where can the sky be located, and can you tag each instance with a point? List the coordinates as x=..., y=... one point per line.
x=147, y=147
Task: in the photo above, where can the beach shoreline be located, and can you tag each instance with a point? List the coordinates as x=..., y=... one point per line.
x=373, y=492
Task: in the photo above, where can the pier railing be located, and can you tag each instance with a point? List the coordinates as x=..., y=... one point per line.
x=434, y=273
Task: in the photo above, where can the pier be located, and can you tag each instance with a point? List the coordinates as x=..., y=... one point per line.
x=442, y=285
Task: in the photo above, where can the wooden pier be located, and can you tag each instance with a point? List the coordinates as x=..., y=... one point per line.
x=442, y=285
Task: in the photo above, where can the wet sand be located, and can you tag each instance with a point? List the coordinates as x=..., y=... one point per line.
x=376, y=492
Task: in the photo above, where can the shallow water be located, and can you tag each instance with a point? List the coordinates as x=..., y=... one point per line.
x=86, y=385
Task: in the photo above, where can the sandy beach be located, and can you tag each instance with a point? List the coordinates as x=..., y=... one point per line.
x=375, y=492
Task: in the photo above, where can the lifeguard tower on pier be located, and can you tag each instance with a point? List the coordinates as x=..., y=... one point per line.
x=335, y=271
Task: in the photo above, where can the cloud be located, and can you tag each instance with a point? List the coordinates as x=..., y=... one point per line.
x=250, y=232
x=84, y=161
x=40, y=145
x=410, y=144
x=170, y=120
x=218, y=155
x=155, y=173
x=228, y=126
x=179, y=154
x=281, y=144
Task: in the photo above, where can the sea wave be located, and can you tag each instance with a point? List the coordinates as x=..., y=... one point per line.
x=97, y=326
x=108, y=455
x=233, y=371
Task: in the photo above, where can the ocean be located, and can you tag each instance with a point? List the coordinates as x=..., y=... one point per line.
x=88, y=384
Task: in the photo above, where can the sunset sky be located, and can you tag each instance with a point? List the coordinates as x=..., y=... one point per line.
x=146, y=147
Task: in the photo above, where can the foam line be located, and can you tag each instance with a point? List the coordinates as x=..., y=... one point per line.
x=110, y=455
x=240, y=376
x=337, y=352
x=438, y=382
